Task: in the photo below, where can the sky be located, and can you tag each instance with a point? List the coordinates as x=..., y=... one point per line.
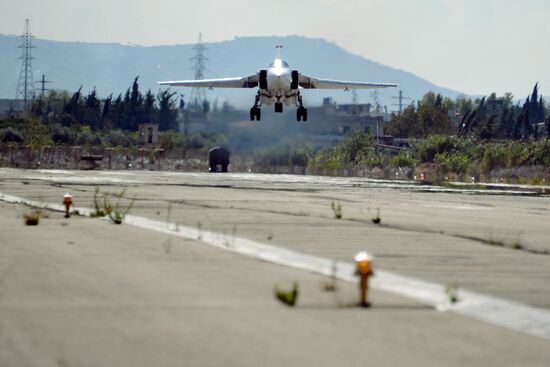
x=474, y=46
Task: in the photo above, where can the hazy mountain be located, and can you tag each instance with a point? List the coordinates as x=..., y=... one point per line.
x=112, y=67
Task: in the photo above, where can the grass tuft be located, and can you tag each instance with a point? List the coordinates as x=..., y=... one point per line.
x=33, y=218
x=377, y=219
x=336, y=209
x=289, y=297
x=104, y=207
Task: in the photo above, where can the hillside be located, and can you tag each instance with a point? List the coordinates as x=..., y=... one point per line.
x=112, y=67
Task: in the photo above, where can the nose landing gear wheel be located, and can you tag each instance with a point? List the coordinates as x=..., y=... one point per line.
x=301, y=114
x=278, y=107
x=255, y=113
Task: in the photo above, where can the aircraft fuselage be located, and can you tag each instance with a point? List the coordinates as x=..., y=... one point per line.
x=279, y=84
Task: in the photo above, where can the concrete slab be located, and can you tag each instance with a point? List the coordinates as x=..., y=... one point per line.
x=85, y=292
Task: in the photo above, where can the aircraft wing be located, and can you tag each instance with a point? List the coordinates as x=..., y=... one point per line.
x=308, y=82
x=250, y=81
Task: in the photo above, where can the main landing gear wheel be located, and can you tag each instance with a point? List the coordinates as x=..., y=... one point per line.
x=278, y=107
x=255, y=113
x=301, y=114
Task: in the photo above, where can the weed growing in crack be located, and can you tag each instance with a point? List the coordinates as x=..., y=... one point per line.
x=377, y=219
x=288, y=297
x=452, y=293
x=337, y=210
x=199, y=231
x=33, y=218
x=104, y=207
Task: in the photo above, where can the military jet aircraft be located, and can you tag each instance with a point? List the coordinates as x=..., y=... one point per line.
x=278, y=85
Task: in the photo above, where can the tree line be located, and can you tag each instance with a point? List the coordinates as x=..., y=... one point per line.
x=125, y=112
x=486, y=118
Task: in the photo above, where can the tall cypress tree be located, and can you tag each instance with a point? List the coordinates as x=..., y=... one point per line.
x=167, y=111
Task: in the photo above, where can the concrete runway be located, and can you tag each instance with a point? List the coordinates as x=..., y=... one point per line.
x=86, y=292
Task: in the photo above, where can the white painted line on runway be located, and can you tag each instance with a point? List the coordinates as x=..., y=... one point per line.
x=511, y=315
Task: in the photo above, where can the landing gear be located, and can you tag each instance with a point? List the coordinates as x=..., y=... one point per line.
x=301, y=112
x=295, y=83
x=263, y=79
x=255, y=112
x=278, y=107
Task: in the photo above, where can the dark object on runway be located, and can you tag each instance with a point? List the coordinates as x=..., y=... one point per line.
x=92, y=159
x=218, y=156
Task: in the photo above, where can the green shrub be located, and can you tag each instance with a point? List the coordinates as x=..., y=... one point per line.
x=10, y=135
x=428, y=149
x=453, y=162
x=63, y=135
x=327, y=159
x=403, y=159
x=170, y=139
x=537, y=153
x=518, y=153
x=88, y=138
x=494, y=156
x=120, y=138
x=357, y=147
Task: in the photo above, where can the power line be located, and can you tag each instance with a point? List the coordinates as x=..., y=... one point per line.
x=25, y=85
x=199, y=67
x=401, y=99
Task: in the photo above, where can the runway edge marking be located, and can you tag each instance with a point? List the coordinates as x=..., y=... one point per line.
x=495, y=311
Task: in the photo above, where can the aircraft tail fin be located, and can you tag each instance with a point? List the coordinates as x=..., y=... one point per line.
x=278, y=47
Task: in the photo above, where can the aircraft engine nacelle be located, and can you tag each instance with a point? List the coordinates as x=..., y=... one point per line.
x=263, y=79
x=294, y=83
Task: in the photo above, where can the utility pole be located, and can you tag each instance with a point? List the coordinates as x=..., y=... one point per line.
x=375, y=96
x=43, y=83
x=199, y=66
x=354, y=96
x=25, y=85
x=401, y=99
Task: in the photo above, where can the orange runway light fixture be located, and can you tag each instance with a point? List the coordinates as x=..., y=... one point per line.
x=67, y=201
x=364, y=271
